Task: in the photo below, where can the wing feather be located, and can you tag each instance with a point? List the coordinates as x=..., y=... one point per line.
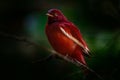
x=75, y=36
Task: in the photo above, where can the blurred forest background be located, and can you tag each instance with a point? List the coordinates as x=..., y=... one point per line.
x=98, y=21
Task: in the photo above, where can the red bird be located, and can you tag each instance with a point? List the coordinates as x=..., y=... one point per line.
x=65, y=37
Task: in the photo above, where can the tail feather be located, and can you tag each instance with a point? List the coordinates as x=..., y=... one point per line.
x=79, y=57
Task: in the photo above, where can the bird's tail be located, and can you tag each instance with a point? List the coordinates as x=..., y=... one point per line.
x=78, y=55
x=79, y=58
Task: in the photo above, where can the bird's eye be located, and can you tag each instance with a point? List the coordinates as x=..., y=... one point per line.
x=56, y=14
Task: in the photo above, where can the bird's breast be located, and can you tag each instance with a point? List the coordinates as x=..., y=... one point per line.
x=60, y=42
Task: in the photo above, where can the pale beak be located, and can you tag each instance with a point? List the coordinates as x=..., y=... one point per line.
x=49, y=15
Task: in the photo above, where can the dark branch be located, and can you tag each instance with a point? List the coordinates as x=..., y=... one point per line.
x=54, y=53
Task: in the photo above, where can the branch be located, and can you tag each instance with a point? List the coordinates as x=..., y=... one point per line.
x=21, y=39
x=76, y=63
x=54, y=53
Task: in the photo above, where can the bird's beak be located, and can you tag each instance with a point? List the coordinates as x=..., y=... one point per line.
x=49, y=15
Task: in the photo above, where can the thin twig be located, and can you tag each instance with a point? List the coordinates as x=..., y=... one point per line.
x=44, y=59
x=23, y=39
x=77, y=64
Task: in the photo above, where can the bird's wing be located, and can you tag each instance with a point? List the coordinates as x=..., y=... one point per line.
x=75, y=36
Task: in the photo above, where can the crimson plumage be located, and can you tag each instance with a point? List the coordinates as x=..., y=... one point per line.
x=65, y=37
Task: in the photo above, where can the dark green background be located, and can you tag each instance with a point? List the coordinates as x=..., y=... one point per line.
x=98, y=21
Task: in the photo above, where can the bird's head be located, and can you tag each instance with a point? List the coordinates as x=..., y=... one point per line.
x=55, y=15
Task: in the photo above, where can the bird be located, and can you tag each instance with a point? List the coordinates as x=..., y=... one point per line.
x=65, y=37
